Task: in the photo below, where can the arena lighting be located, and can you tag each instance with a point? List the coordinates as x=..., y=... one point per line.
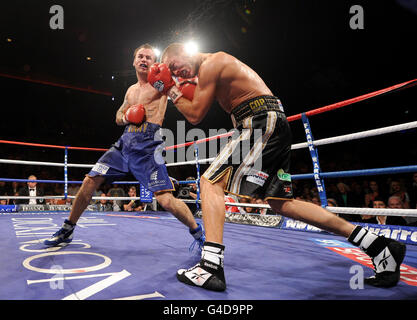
x=157, y=52
x=191, y=47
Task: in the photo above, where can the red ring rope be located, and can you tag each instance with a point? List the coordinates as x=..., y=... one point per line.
x=313, y=112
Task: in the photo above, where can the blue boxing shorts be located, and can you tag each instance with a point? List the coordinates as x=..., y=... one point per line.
x=138, y=151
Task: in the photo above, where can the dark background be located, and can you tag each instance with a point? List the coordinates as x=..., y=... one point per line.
x=305, y=51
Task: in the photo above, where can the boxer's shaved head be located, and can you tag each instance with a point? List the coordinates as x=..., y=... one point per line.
x=173, y=49
x=180, y=62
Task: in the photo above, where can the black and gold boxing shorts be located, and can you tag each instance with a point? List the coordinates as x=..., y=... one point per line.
x=256, y=159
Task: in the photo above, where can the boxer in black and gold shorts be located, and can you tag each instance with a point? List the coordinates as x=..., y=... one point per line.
x=255, y=161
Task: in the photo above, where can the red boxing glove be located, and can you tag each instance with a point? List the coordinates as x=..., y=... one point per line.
x=186, y=88
x=160, y=77
x=193, y=80
x=135, y=114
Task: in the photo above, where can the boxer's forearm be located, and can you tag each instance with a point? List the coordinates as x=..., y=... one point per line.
x=120, y=114
x=193, y=114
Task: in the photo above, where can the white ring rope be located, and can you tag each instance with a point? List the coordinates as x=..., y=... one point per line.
x=48, y=164
x=338, y=210
x=69, y=197
x=358, y=135
x=350, y=210
x=365, y=211
x=337, y=139
x=375, y=211
x=184, y=163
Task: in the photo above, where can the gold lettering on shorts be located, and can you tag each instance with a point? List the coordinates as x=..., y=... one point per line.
x=257, y=104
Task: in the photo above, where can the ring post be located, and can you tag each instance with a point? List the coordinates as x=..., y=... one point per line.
x=198, y=175
x=66, y=173
x=315, y=158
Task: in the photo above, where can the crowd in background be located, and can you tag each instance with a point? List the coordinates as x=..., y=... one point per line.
x=44, y=193
x=384, y=192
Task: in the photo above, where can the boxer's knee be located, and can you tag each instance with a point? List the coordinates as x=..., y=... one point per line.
x=166, y=200
x=208, y=187
x=89, y=185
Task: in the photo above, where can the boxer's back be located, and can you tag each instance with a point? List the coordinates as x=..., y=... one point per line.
x=236, y=83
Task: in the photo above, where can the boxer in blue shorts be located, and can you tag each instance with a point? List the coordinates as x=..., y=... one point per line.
x=138, y=151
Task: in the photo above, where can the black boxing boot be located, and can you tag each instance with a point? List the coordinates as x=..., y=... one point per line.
x=209, y=272
x=386, y=254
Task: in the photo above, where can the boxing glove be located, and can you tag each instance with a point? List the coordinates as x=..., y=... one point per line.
x=180, y=81
x=187, y=87
x=134, y=114
x=160, y=77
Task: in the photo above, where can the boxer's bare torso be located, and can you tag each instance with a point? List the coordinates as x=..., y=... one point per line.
x=236, y=82
x=154, y=103
x=142, y=92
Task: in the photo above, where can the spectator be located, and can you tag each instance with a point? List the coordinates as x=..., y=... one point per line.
x=372, y=193
x=395, y=202
x=261, y=211
x=58, y=201
x=390, y=220
x=96, y=193
x=396, y=189
x=15, y=187
x=188, y=191
x=252, y=209
x=193, y=188
x=377, y=202
x=345, y=198
x=49, y=194
x=231, y=199
x=331, y=202
x=72, y=191
x=104, y=204
x=116, y=191
x=31, y=189
x=132, y=205
x=244, y=209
